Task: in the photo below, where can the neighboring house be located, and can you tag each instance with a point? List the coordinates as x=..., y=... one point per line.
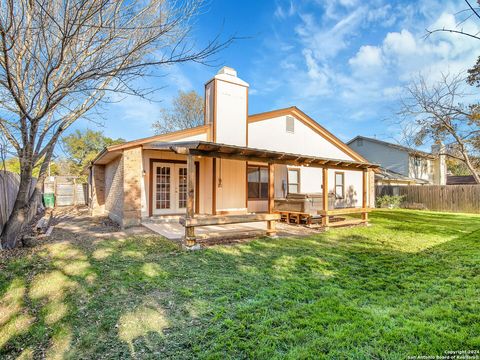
x=400, y=165
x=239, y=164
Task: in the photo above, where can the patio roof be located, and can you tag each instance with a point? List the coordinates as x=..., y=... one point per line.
x=234, y=152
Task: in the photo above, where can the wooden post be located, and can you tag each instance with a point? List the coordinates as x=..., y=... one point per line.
x=271, y=225
x=364, y=194
x=190, y=239
x=325, y=219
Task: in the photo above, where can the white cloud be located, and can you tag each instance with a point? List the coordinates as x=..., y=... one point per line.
x=318, y=82
x=350, y=60
x=368, y=57
x=403, y=54
x=328, y=42
x=284, y=12
x=400, y=43
x=383, y=15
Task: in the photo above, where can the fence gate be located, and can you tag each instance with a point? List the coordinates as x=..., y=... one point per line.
x=68, y=190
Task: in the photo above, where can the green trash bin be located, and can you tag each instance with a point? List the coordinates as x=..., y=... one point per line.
x=49, y=200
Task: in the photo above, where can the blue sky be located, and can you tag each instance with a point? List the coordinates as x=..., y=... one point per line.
x=343, y=62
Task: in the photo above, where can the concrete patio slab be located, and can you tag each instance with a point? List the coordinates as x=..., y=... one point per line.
x=175, y=231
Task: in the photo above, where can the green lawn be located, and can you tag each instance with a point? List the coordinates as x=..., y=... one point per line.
x=408, y=285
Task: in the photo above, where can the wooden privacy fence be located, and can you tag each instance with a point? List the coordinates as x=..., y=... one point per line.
x=9, y=183
x=453, y=198
x=68, y=190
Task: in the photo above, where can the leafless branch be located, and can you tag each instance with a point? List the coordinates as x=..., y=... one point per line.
x=435, y=112
x=59, y=59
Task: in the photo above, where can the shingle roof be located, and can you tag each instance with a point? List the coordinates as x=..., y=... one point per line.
x=386, y=174
x=461, y=180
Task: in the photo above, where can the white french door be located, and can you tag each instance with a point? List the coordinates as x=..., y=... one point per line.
x=169, y=188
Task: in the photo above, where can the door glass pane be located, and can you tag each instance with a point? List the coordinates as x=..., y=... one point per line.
x=162, y=184
x=182, y=187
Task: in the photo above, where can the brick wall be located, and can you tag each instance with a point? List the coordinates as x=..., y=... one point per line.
x=114, y=199
x=97, y=201
x=133, y=176
x=116, y=188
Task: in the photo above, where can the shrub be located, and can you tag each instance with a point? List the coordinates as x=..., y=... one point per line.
x=391, y=202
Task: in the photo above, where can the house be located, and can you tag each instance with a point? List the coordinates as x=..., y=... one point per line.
x=400, y=165
x=231, y=169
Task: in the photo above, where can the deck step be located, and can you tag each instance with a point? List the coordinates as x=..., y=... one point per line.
x=174, y=219
x=346, y=223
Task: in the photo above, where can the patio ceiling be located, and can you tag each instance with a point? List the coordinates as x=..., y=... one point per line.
x=233, y=152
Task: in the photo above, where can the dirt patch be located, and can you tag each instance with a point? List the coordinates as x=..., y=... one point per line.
x=73, y=224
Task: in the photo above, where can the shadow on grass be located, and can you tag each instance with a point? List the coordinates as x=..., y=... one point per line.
x=372, y=292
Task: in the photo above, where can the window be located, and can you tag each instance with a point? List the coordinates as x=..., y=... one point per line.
x=293, y=181
x=339, y=185
x=257, y=182
x=360, y=142
x=290, y=124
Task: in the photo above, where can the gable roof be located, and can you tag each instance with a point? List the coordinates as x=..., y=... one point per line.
x=312, y=124
x=163, y=137
x=395, y=146
x=293, y=111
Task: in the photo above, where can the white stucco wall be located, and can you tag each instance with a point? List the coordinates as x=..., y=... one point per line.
x=271, y=134
x=353, y=188
x=231, y=113
x=311, y=180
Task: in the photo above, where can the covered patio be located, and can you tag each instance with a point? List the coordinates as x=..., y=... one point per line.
x=192, y=150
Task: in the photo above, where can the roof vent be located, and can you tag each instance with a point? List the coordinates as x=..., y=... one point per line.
x=227, y=71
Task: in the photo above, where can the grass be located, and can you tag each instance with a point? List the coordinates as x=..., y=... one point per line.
x=408, y=285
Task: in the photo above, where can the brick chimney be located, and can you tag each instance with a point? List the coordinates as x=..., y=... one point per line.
x=440, y=164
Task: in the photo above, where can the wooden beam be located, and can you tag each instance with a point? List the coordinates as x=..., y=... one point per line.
x=190, y=239
x=364, y=193
x=227, y=219
x=344, y=211
x=271, y=225
x=271, y=187
x=347, y=223
x=325, y=195
x=320, y=163
x=214, y=186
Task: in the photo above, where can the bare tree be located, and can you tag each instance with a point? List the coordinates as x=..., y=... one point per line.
x=60, y=58
x=470, y=12
x=436, y=113
x=187, y=112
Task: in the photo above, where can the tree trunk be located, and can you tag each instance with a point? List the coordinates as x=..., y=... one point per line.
x=22, y=213
x=471, y=167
